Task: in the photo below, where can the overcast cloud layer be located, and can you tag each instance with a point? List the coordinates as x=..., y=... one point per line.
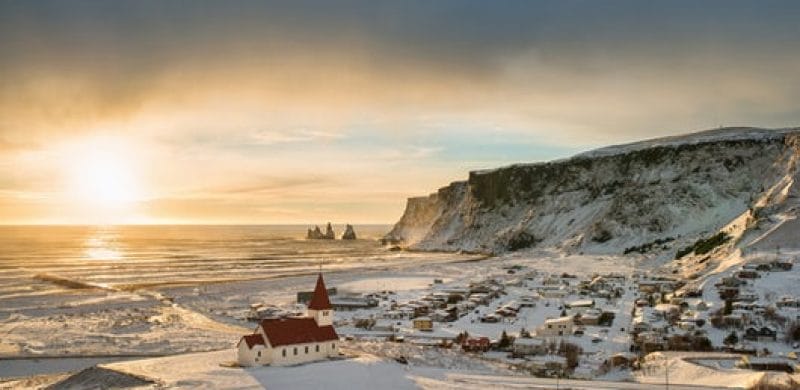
x=260, y=112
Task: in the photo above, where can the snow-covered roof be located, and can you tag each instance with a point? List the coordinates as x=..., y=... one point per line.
x=558, y=320
x=528, y=341
x=581, y=302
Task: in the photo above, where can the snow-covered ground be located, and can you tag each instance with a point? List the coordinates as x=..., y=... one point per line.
x=357, y=371
x=678, y=368
x=188, y=319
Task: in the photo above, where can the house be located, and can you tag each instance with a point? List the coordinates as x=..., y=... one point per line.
x=552, y=363
x=763, y=333
x=529, y=300
x=651, y=341
x=734, y=319
x=666, y=310
x=729, y=281
x=528, y=346
x=553, y=292
x=293, y=340
x=580, y=304
x=589, y=317
x=384, y=325
x=782, y=265
x=554, y=327
x=353, y=303
x=697, y=304
x=513, y=306
x=440, y=316
x=747, y=274
x=476, y=344
x=479, y=298
x=621, y=359
x=788, y=302
x=423, y=323
x=747, y=295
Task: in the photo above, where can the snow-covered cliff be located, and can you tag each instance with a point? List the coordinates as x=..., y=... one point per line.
x=663, y=193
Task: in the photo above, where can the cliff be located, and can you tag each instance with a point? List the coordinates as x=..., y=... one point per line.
x=658, y=193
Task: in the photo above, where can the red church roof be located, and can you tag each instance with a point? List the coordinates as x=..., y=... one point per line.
x=320, y=300
x=287, y=331
x=253, y=339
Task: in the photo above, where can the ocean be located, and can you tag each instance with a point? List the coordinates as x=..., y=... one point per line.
x=33, y=258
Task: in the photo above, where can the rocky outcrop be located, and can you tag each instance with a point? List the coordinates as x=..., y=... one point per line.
x=668, y=190
x=349, y=233
x=329, y=233
x=316, y=233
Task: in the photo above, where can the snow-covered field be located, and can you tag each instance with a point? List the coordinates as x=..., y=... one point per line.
x=356, y=371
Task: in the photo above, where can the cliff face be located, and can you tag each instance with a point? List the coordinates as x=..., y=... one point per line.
x=657, y=193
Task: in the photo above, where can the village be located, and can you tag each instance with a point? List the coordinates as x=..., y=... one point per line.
x=562, y=325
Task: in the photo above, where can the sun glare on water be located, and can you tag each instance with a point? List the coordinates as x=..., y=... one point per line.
x=102, y=179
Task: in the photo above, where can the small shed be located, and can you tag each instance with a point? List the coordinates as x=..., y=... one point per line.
x=423, y=323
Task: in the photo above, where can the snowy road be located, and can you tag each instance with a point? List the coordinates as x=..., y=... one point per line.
x=482, y=381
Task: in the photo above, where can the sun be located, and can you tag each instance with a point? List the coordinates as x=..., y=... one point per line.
x=102, y=178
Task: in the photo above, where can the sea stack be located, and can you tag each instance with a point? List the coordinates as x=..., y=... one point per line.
x=315, y=234
x=349, y=233
x=329, y=233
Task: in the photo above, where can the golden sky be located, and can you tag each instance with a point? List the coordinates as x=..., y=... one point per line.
x=254, y=112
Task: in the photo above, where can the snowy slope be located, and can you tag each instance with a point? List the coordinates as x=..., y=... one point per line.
x=672, y=189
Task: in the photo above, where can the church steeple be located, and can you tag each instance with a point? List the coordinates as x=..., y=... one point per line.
x=320, y=300
x=320, y=305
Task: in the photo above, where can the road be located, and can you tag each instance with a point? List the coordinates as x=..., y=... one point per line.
x=487, y=381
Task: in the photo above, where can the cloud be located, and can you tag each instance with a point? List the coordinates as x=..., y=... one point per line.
x=271, y=137
x=244, y=105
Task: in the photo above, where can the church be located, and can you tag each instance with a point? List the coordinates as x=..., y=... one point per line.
x=293, y=340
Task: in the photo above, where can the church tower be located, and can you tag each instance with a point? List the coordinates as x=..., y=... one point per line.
x=320, y=305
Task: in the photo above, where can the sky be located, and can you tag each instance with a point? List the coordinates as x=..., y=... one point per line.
x=310, y=111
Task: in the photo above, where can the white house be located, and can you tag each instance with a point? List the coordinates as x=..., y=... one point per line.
x=555, y=327
x=293, y=340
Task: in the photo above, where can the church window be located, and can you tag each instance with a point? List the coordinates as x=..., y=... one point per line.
x=284, y=352
x=317, y=347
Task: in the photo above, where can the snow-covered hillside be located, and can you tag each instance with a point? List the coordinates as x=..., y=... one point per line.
x=656, y=196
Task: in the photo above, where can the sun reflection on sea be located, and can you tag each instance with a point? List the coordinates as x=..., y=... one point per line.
x=101, y=245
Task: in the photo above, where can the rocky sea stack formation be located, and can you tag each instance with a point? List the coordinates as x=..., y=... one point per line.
x=316, y=233
x=349, y=233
